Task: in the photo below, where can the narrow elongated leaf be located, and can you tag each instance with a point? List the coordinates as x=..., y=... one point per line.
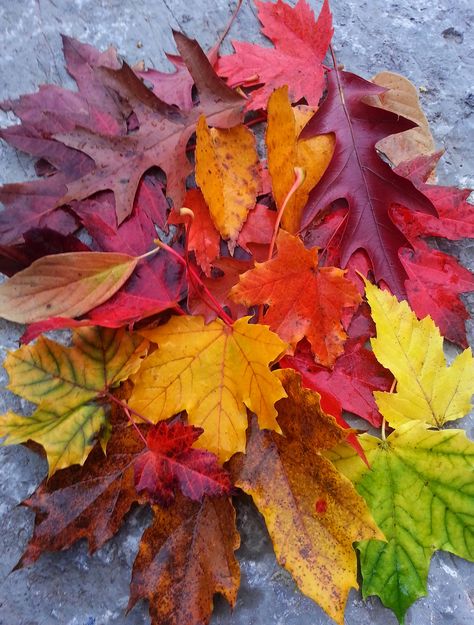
x=64, y=285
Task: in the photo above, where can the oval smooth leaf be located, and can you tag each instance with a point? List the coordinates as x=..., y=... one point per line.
x=64, y=285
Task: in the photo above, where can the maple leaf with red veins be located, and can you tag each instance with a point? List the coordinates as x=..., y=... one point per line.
x=296, y=60
x=357, y=174
x=170, y=463
x=435, y=281
x=303, y=300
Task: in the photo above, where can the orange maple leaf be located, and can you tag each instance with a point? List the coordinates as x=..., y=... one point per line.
x=303, y=299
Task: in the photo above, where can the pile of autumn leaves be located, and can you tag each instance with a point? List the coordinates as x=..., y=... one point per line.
x=249, y=339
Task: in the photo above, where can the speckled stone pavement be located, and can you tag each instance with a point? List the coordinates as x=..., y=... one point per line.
x=430, y=42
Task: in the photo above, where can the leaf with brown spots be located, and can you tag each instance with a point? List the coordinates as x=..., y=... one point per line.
x=312, y=512
x=186, y=556
x=86, y=502
x=227, y=172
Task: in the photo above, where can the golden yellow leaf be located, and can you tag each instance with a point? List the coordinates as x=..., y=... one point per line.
x=67, y=384
x=402, y=98
x=213, y=372
x=427, y=389
x=64, y=285
x=227, y=173
x=312, y=512
x=285, y=152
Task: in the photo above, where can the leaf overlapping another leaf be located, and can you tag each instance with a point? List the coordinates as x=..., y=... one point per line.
x=68, y=383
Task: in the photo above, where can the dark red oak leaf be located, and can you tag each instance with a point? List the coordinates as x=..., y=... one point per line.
x=357, y=174
x=296, y=60
x=170, y=463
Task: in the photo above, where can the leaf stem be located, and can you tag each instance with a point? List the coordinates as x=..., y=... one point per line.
x=127, y=410
x=147, y=254
x=198, y=284
x=300, y=175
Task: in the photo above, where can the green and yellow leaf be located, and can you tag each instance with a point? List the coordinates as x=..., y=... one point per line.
x=67, y=384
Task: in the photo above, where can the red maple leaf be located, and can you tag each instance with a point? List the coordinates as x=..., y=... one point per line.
x=170, y=463
x=296, y=60
x=357, y=174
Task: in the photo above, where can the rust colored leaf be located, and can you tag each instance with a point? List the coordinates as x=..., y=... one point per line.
x=303, y=300
x=185, y=557
x=64, y=285
x=86, y=502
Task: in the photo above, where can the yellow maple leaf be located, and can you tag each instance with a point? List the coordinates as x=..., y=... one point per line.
x=312, y=512
x=213, y=372
x=227, y=173
x=427, y=389
x=285, y=152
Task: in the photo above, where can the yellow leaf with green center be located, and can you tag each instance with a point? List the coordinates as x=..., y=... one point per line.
x=214, y=372
x=427, y=389
x=67, y=384
x=285, y=152
x=227, y=173
x=420, y=490
x=64, y=285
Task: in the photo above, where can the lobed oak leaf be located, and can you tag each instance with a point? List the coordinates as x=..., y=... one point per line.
x=227, y=173
x=313, y=513
x=170, y=462
x=357, y=174
x=285, y=152
x=426, y=505
x=67, y=285
x=67, y=384
x=214, y=372
x=300, y=44
x=303, y=300
x=185, y=557
x=427, y=389
x=87, y=501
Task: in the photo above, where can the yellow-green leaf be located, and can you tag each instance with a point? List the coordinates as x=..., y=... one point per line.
x=427, y=389
x=285, y=152
x=213, y=372
x=420, y=490
x=64, y=285
x=227, y=172
x=67, y=384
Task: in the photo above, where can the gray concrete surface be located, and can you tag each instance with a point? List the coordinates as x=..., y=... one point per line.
x=432, y=43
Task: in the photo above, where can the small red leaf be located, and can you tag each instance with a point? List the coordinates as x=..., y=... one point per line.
x=171, y=463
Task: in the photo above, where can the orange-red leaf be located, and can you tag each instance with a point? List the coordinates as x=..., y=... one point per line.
x=303, y=299
x=186, y=556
